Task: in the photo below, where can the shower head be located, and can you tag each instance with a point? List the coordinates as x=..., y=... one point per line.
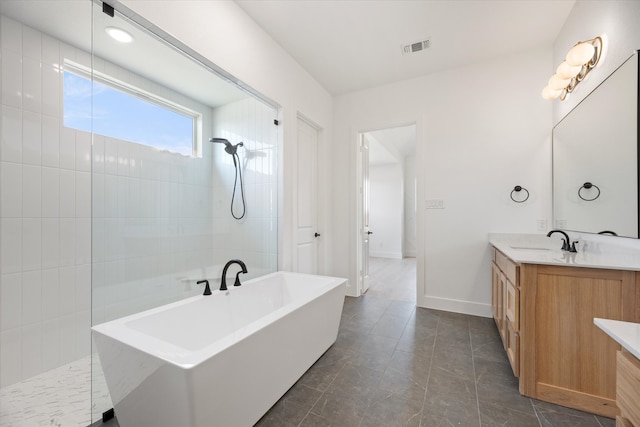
x=228, y=147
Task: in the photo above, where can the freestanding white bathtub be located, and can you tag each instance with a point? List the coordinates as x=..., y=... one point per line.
x=219, y=360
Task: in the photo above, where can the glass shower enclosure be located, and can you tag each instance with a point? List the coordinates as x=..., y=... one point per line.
x=113, y=199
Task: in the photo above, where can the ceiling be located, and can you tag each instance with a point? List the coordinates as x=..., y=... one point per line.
x=349, y=45
x=82, y=24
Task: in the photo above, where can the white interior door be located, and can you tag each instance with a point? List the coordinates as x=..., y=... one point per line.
x=307, y=235
x=366, y=231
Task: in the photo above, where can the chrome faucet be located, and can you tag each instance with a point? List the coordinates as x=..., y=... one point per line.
x=223, y=283
x=566, y=242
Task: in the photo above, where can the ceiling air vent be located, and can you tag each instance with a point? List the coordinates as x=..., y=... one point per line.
x=415, y=47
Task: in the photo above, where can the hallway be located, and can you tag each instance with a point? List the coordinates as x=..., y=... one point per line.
x=393, y=279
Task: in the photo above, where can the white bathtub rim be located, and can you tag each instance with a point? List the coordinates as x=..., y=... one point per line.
x=188, y=359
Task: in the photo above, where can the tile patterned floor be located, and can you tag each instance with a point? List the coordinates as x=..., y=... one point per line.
x=62, y=397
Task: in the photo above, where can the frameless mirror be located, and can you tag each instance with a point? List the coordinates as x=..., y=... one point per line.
x=595, y=159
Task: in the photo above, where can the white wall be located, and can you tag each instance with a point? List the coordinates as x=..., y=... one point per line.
x=386, y=211
x=481, y=130
x=617, y=21
x=223, y=33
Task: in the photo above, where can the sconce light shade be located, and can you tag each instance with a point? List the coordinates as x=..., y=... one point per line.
x=566, y=71
x=558, y=83
x=548, y=93
x=580, y=54
x=581, y=59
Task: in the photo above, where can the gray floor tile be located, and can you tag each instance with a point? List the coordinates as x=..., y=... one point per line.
x=403, y=309
x=453, y=358
x=390, y=326
x=497, y=415
x=284, y=414
x=606, y=422
x=313, y=420
x=450, y=400
x=551, y=415
x=340, y=407
x=388, y=409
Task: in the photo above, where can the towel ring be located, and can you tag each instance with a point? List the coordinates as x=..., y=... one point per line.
x=587, y=186
x=517, y=189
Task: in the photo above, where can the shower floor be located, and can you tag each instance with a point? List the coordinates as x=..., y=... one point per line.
x=60, y=397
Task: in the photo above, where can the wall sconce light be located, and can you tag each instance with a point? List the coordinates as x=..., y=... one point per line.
x=581, y=59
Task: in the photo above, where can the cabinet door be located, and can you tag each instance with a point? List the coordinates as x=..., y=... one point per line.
x=628, y=387
x=513, y=348
x=496, y=294
x=503, y=319
x=512, y=305
x=565, y=357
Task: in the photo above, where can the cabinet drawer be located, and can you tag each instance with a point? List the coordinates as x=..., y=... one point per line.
x=508, y=267
x=512, y=305
x=513, y=348
x=628, y=387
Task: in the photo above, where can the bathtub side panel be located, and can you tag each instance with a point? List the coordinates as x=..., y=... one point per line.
x=144, y=389
x=237, y=387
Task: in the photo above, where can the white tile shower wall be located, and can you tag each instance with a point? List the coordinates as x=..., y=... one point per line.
x=45, y=213
x=253, y=238
x=152, y=215
x=157, y=216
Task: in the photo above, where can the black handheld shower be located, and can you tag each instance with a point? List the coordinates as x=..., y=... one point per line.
x=232, y=149
x=228, y=147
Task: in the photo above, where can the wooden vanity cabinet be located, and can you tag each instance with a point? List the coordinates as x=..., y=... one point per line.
x=628, y=390
x=553, y=346
x=506, y=307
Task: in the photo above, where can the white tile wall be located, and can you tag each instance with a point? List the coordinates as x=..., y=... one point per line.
x=80, y=210
x=45, y=212
x=253, y=238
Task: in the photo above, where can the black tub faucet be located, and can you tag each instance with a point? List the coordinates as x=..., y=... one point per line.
x=207, y=289
x=223, y=282
x=566, y=242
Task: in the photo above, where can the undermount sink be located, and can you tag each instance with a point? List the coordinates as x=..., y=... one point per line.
x=528, y=248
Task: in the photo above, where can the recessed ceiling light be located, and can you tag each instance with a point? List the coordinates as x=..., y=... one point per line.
x=119, y=34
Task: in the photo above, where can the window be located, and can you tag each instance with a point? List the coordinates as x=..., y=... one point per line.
x=126, y=113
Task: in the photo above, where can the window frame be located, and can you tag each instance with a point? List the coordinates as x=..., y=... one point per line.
x=128, y=89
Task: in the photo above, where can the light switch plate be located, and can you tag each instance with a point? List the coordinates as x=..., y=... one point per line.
x=435, y=204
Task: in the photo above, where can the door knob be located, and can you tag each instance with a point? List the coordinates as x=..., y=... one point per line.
x=369, y=232
x=316, y=235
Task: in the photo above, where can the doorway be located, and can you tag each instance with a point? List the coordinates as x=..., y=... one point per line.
x=387, y=206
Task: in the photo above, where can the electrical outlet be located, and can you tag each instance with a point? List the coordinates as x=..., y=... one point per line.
x=561, y=223
x=542, y=225
x=435, y=204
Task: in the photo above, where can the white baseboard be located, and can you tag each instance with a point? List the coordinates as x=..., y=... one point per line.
x=382, y=254
x=456, y=306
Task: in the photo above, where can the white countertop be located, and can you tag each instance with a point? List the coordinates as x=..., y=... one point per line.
x=626, y=334
x=594, y=251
